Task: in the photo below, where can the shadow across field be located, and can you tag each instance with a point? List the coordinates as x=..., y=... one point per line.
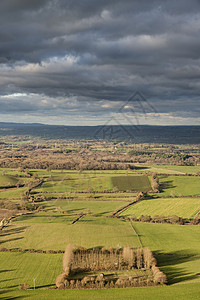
x=140, y=168
x=4, y=296
x=4, y=271
x=167, y=185
x=10, y=232
x=11, y=240
x=169, y=264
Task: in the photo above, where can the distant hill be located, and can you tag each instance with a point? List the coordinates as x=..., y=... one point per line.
x=139, y=134
x=10, y=124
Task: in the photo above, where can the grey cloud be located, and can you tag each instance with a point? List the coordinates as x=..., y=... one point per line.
x=116, y=47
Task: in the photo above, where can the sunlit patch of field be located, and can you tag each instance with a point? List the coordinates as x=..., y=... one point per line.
x=182, y=207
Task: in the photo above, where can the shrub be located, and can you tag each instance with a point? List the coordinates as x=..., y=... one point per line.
x=24, y=286
x=60, y=281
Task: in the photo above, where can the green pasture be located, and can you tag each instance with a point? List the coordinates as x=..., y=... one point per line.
x=76, y=184
x=88, y=196
x=90, y=206
x=13, y=172
x=90, y=182
x=182, y=207
x=64, y=174
x=14, y=193
x=176, y=247
x=167, y=169
x=6, y=181
x=44, y=217
x=18, y=268
x=55, y=232
x=44, y=268
x=136, y=183
x=175, y=292
x=68, y=181
x=180, y=169
x=180, y=185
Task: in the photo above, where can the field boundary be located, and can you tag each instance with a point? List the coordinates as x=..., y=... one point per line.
x=122, y=209
x=136, y=233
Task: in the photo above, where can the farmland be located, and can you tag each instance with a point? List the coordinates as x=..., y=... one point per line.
x=184, y=207
x=180, y=185
x=136, y=183
x=185, y=292
x=76, y=207
x=6, y=181
x=88, y=232
x=22, y=267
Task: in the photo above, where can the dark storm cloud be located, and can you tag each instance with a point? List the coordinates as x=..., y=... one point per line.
x=87, y=52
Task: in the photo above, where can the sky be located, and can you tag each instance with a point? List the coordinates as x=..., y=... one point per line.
x=90, y=62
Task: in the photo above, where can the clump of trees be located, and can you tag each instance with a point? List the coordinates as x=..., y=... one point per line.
x=79, y=260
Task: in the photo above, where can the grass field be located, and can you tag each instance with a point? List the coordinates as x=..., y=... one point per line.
x=177, y=249
x=182, y=207
x=14, y=193
x=183, y=292
x=168, y=169
x=76, y=184
x=180, y=185
x=16, y=263
x=135, y=183
x=18, y=268
x=88, y=232
x=94, y=207
x=6, y=181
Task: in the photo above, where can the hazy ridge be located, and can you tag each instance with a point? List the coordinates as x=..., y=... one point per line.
x=137, y=134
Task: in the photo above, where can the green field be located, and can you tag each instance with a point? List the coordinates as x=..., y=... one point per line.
x=176, y=247
x=18, y=268
x=6, y=181
x=182, y=207
x=88, y=232
x=180, y=185
x=135, y=183
x=175, y=292
x=76, y=183
x=99, y=208
x=97, y=181
x=168, y=169
x=12, y=193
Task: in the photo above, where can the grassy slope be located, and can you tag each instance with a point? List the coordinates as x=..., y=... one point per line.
x=182, y=207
